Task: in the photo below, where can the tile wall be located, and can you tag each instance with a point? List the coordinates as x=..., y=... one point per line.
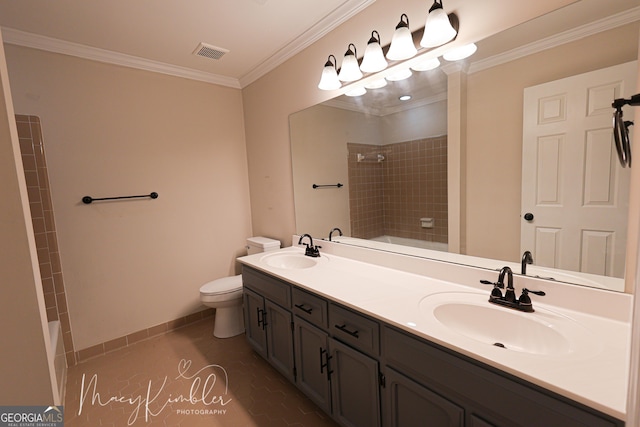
x=44, y=228
x=389, y=197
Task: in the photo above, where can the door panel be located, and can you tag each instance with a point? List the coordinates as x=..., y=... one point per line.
x=571, y=180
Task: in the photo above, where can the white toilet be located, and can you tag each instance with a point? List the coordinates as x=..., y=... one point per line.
x=225, y=295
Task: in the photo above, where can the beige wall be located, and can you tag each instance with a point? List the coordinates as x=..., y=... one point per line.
x=426, y=121
x=321, y=134
x=112, y=131
x=291, y=87
x=494, y=132
x=25, y=347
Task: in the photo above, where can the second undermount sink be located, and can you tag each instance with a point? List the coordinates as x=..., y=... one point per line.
x=543, y=332
x=292, y=260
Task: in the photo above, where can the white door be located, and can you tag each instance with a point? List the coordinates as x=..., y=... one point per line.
x=572, y=182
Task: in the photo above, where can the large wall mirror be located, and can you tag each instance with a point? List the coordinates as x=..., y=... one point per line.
x=393, y=159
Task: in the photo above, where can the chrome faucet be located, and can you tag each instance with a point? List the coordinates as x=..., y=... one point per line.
x=311, y=250
x=335, y=229
x=509, y=298
x=527, y=258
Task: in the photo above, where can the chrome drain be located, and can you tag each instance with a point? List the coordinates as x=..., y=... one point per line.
x=499, y=344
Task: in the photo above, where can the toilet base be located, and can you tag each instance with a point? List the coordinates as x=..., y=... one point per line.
x=228, y=322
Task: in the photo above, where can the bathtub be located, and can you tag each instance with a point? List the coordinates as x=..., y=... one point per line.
x=59, y=359
x=415, y=243
x=403, y=245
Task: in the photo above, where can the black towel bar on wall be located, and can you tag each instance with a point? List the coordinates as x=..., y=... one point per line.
x=88, y=199
x=338, y=185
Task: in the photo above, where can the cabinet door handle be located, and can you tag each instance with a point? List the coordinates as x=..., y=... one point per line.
x=303, y=308
x=325, y=364
x=261, y=317
x=343, y=328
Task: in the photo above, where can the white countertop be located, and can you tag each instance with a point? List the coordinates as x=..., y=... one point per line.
x=597, y=378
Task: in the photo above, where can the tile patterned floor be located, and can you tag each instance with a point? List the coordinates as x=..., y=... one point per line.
x=185, y=378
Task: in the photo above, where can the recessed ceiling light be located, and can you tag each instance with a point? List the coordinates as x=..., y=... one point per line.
x=405, y=97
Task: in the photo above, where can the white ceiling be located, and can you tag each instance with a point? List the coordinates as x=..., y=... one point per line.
x=259, y=34
x=161, y=35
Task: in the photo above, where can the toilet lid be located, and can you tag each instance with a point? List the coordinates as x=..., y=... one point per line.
x=222, y=286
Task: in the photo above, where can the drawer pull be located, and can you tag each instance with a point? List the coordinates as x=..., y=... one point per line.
x=343, y=328
x=303, y=308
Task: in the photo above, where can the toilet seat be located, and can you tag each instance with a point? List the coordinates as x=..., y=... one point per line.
x=224, y=289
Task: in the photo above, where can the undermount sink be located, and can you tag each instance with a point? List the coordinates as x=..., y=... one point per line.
x=543, y=332
x=292, y=260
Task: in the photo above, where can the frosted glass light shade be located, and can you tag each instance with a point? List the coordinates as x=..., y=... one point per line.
x=329, y=79
x=350, y=70
x=461, y=52
x=373, y=60
x=426, y=65
x=438, y=29
x=359, y=91
x=402, y=46
x=400, y=75
x=376, y=84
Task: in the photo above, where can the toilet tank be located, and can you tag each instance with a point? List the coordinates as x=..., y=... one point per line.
x=261, y=244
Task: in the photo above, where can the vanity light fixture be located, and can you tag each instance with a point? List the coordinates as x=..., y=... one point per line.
x=438, y=29
x=350, y=70
x=373, y=60
x=400, y=75
x=426, y=65
x=329, y=79
x=376, y=84
x=402, y=46
x=359, y=91
x=461, y=52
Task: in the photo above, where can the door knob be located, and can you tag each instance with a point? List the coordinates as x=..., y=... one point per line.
x=528, y=216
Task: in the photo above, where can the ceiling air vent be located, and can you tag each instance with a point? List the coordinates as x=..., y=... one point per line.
x=209, y=51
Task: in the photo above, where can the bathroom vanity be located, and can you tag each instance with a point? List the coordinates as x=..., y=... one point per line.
x=375, y=346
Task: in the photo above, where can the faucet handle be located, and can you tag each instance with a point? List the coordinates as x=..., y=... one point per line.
x=525, y=299
x=496, y=293
x=496, y=284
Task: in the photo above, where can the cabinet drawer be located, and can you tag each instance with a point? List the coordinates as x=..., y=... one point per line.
x=310, y=307
x=267, y=286
x=354, y=329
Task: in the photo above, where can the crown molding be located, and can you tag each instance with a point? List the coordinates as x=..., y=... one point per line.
x=306, y=39
x=608, y=23
x=35, y=41
x=348, y=9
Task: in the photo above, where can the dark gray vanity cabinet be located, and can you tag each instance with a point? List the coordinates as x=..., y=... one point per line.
x=268, y=320
x=354, y=386
x=337, y=377
x=312, y=356
x=485, y=396
x=410, y=404
x=366, y=373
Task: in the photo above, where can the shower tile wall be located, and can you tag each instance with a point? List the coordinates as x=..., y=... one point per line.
x=391, y=196
x=366, y=189
x=36, y=175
